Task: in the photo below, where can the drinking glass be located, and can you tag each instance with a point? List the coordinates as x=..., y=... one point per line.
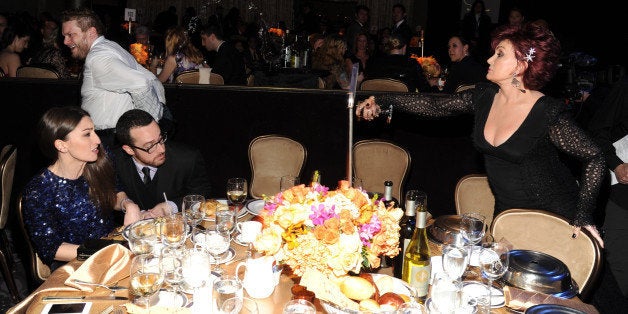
x=143, y=238
x=146, y=277
x=494, y=257
x=446, y=294
x=173, y=231
x=192, y=210
x=472, y=227
x=236, y=192
x=287, y=182
x=225, y=288
x=225, y=220
x=299, y=306
x=455, y=261
x=238, y=305
x=196, y=267
x=171, y=265
x=217, y=243
x=411, y=308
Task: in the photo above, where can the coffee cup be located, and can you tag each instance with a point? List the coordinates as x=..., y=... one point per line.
x=249, y=230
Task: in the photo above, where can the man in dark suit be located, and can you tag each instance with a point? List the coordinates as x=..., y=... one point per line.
x=228, y=62
x=400, y=26
x=147, y=166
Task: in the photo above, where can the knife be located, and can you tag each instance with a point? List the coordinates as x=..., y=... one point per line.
x=86, y=298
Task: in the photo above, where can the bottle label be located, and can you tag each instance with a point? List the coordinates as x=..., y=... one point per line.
x=421, y=219
x=405, y=246
x=420, y=278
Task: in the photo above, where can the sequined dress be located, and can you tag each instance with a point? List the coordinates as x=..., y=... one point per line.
x=526, y=171
x=58, y=210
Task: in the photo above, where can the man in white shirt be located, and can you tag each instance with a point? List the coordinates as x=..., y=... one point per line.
x=113, y=82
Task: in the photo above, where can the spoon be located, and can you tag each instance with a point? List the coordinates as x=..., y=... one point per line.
x=110, y=288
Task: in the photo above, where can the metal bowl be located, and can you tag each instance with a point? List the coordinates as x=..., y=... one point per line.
x=539, y=272
x=445, y=230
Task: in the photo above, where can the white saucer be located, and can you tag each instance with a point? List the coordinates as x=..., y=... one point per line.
x=255, y=206
x=475, y=288
x=167, y=298
x=238, y=240
x=225, y=257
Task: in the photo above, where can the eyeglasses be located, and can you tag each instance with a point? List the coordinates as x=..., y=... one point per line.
x=149, y=149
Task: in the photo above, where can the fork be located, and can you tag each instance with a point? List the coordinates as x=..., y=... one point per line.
x=113, y=288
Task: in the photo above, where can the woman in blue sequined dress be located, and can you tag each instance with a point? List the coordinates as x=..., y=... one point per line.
x=72, y=199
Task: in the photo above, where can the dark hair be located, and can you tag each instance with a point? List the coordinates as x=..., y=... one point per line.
x=476, y=2
x=212, y=29
x=546, y=51
x=395, y=41
x=56, y=124
x=400, y=6
x=131, y=119
x=360, y=7
x=15, y=29
x=85, y=18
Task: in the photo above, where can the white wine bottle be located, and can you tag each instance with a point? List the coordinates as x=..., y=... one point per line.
x=416, y=259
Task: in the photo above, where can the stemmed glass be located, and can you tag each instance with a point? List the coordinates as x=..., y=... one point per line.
x=216, y=243
x=173, y=233
x=172, y=262
x=192, y=210
x=236, y=192
x=239, y=305
x=472, y=230
x=196, y=265
x=455, y=261
x=146, y=277
x=494, y=258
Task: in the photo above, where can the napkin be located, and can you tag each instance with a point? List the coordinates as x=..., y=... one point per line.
x=520, y=300
x=132, y=308
x=107, y=266
x=203, y=75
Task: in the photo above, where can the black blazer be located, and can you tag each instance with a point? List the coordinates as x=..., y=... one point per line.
x=229, y=63
x=182, y=173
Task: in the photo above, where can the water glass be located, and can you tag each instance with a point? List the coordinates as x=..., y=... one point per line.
x=196, y=266
x=143, y=239
x=225, y=288
x=238, y=305
x=172, y=262
x=146, y=277
x=411, y=308
x=455, y=260
x=299, y=306
x=225, y=220
x=192, y=210
x=173, y=231
x=446, y=294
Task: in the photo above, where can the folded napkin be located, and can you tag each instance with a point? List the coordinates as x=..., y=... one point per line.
x=520, y=300
x=132, y=308
x=107, y=266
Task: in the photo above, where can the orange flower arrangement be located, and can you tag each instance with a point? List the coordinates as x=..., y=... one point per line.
x=430, y=66
x=140, y=53
x=277, y=31
x=333, y=232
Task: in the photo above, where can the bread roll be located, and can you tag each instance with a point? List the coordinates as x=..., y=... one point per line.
x=385, y=284
x=369, y=277
x=369, y=305
x=357, y=288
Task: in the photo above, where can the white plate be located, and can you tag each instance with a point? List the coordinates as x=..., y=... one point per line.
x=474, y=288
x=223, y=201
x=167, y=298
x=255, y=206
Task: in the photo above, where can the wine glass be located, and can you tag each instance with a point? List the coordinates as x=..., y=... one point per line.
x=172, y=262
x=446, y=294
x=146, y=277
x=455, y=261
x=193, y=211
x=173, y=231
x=216, y=243
x=236, y=192
x=299, y=306
x=472, y=230
x=494, y=258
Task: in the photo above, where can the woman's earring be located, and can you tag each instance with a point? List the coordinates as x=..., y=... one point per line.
x=516, y=84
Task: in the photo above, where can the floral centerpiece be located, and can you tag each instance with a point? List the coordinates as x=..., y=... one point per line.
x=333, y=232
x=140, y=53
x=430, y=66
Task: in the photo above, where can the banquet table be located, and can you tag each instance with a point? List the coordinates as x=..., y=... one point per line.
x=54, y=286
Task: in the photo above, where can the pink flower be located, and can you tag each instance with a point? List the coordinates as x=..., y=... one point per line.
x=369, y=229
x=320, y=215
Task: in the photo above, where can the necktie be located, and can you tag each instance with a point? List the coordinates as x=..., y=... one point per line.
x=146, y=172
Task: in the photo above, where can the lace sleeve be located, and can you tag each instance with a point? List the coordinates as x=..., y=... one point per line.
x=429, y=105
x=571, y=139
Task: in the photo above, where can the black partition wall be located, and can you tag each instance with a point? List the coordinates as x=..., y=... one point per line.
x=222, y=120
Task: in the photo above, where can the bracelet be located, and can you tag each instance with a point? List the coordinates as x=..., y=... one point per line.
x=124, y=201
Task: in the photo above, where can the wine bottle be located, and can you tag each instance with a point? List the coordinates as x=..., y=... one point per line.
x=407, y=224
x=416, y=260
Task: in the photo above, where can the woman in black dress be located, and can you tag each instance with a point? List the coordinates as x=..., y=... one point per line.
x=521, y=132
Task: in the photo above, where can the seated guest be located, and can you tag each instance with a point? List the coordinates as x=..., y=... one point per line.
x=147, y=166
x=396, y=65
x=330, y=57
x=14, y=41
x=50, y=52
x=361, y=53
x=228, y=62
x=463, y=69
x=72, y=200
x=181, y=55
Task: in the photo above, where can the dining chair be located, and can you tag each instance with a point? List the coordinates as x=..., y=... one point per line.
x=39, y=271
x=250, y=80
x=321, y=83
x=463, y=87
x=272, y=157
x=8, y=157
x=37, y=71
x=547, y=232
x=193, y=77
x=473, y=194
x=376, y=161
x=383, y=84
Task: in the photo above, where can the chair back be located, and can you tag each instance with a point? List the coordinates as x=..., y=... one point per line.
x=7, y=170
x=376, y=161
x=37, y=71
x=473, y=194
x=193, y=77
x=321, y=83
x=250, y=80
x=216, y=79
x=1, y=73
x=272, y=157
x=384, y=84
x=543, y=231
x=463, y=87
x=39, y=271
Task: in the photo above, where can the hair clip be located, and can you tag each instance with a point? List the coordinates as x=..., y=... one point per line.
x=530, y=55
